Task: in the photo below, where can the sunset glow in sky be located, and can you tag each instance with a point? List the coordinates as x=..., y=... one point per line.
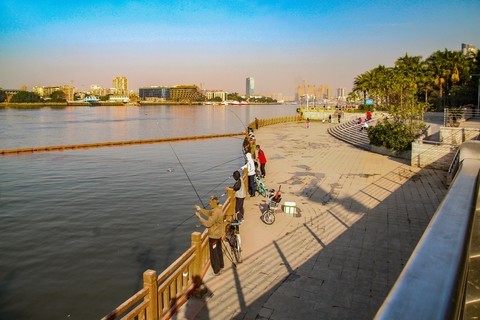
x=220, y=43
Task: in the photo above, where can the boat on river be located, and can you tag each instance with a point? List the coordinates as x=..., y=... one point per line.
x=91, y=99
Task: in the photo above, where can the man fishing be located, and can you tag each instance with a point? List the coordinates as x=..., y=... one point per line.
x=214, y=223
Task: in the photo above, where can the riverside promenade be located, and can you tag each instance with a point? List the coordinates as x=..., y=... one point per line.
x=359, y=217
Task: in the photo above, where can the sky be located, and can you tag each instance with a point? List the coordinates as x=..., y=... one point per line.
x=218, y=44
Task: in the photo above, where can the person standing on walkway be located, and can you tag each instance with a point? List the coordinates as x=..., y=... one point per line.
x=262, y=159
x=250, y=165
x=368, y=115
x=307, y=124
x=214, y=223
x=240, y=194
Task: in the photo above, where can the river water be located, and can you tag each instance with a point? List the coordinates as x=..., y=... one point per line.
x=78, y=228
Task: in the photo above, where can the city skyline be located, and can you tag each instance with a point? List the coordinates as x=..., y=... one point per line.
x=218, y=45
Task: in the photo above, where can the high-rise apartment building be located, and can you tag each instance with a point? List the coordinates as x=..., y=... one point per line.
x=250, y=87
x=341, y=94
x=120, y=85
x=313, y=92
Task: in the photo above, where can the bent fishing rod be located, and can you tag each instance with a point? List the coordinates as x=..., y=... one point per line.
x=183, y=168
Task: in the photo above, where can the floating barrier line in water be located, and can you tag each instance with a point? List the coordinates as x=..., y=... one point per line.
x=115, y=143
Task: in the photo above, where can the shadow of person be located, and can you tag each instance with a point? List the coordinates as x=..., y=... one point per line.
x=196, y=302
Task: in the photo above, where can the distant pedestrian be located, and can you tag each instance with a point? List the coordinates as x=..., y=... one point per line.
x=339, y=116
x=214, y=223
x=329, y=118
x=240, y=194
x=256, y=124
x=262, y=159
x=307, y=124
x=250, y=165
x=368, y=115
x=364, y=126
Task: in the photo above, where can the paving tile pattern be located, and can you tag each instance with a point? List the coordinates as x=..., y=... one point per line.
x=359, y=217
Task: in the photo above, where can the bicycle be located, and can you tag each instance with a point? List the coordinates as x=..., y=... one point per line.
x=234, y=240
x=273, y=201
x=260, y=186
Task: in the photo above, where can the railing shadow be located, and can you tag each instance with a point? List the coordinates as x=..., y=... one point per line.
x=340, y=264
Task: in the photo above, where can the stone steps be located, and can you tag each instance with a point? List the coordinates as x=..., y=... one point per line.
x=350, y=132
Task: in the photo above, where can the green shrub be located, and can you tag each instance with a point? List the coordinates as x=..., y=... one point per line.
x=392, y=135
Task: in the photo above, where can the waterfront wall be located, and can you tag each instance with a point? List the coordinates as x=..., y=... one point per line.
x=433, y=155
x=439, y=155
x=458, y=135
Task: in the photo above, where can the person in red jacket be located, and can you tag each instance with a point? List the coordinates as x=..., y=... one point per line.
x=262, y=159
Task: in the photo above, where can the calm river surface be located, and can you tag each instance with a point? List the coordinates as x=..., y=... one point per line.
x=78, y=228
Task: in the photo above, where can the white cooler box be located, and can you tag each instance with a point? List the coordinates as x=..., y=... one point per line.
x=290, y=208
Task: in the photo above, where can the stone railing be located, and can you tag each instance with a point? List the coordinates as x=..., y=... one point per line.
x=439, y=279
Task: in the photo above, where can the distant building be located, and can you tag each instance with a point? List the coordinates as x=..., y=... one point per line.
x=120, y=85
x=318, y=93
x=47, y=91
x=11, y=92
x=186, y=93
x=210, y=94
x=69, y=92
x=154, y=93
x=250, y=84
x=99, y=91
x=468, y=48
x=341, y=94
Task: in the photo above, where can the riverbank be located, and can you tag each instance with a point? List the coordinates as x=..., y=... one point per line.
x=34, y=105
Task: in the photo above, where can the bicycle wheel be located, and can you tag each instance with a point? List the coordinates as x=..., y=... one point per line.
x=236, y=248
x=268, y=217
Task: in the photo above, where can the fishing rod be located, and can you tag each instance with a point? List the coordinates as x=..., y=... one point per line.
x=185, y=171
x=217, y=187
x=221, y=164
x=190, y=217
x=237, y=117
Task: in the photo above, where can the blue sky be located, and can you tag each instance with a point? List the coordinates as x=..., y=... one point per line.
x=220, y=43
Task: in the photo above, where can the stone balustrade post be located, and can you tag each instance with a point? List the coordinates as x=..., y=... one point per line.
x=150, y=283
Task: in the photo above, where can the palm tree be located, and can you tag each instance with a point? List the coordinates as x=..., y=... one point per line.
x=409, y=70
x=362, y=84
x=449, y=68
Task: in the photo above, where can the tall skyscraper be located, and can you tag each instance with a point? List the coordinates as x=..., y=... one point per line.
x=250, y=87
x=120, y=84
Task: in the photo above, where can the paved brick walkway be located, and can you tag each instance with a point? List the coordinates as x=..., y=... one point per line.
x=359, y=218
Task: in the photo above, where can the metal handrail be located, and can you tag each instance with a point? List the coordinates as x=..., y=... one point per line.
x=432, y=284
